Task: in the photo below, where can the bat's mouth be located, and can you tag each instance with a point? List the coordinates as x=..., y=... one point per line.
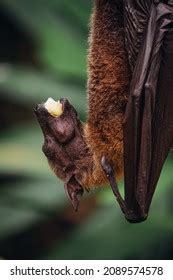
x=51, y=112
x=51, y=108
x=56, y=118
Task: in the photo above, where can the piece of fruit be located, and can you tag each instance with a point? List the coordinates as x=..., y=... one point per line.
x=53, y=107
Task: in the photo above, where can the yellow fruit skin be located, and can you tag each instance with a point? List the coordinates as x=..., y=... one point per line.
x=54, y=108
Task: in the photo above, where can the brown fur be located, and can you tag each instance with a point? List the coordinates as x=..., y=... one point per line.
x=108, y=85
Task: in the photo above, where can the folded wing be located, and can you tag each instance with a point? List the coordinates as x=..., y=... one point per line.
x=148, y=126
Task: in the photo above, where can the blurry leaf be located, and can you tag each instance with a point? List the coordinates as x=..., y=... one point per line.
x=75, y=12
x=106, y=235
x=20, y=151
x=67, y=55
x=31, y=86
x=27, y=203
x=61, y=47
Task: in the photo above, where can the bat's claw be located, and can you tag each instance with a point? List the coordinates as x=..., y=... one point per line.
x=106, y=167
x=110, y=174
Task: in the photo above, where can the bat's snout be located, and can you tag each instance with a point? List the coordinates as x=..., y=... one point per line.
x=39, y=109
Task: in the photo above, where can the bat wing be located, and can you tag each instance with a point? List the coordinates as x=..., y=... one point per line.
x=136, y=15
x=148, y=125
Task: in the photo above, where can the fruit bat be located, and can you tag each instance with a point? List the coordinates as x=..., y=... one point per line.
x=129, y=128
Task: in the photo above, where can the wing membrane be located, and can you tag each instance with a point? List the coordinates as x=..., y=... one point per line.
x=148, y=127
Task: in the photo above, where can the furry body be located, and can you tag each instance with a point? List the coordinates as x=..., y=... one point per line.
x=108, y=86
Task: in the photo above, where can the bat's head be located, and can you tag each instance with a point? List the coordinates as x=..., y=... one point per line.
x=62, y=142
x=57, y=118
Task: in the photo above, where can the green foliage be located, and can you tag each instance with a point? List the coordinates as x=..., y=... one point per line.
x=62, y=46
x=29, y=86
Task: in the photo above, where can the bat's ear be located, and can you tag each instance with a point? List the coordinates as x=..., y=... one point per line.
x=74, y=191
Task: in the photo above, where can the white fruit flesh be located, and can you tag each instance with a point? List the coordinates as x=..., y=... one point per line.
x=53, y=107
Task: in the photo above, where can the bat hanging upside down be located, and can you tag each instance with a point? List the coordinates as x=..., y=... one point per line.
x=129, y=89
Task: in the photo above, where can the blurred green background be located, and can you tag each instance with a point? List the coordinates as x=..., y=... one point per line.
x=43, y=53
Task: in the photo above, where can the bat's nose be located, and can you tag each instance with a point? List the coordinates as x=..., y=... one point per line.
x=38, y=108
